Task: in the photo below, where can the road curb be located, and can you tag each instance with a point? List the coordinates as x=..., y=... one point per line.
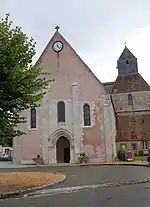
x=98, y=164
x=29, y=190
x=114, y=164
x=80, y=165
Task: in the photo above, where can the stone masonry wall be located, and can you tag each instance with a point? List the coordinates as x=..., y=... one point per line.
x=132, y=121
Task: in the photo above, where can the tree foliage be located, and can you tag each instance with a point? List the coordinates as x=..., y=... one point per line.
x=21, y=83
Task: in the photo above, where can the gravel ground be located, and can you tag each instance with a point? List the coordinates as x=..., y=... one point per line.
x=10, y=182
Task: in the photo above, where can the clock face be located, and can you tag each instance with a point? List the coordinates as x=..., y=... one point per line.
x=57, y=46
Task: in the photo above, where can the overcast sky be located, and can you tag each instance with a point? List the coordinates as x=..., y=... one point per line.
x=96, y=29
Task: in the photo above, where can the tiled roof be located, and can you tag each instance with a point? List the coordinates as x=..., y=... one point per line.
x=108, y=86
x=130, y=83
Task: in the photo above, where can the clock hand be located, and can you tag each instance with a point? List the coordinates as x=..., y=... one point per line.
x=58, y=46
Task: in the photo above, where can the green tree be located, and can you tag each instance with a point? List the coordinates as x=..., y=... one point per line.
x=21, y=83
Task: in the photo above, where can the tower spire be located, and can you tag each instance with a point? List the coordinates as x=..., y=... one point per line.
x=126, y=54
x=127, y=62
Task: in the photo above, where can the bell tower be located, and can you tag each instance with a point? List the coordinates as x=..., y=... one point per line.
x=127, y=63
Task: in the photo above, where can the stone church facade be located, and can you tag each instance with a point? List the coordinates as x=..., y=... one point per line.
x=80, y=114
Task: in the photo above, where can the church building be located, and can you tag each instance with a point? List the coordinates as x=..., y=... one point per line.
x=81, y=114
x=131, y=100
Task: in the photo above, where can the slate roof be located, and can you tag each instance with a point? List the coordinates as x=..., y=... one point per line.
x=126, y=54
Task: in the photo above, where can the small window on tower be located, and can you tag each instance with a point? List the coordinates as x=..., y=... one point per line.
x=127, y=62
x=130, y=99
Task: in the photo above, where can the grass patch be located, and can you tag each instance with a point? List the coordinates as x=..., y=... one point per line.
x=141, y=158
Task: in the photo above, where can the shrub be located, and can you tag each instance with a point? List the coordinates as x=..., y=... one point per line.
x=122, y=154
x=148, y=159
x=141, y=152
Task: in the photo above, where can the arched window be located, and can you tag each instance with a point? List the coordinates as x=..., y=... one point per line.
x=61, y=111
x=130, y=99
x=33, y=118
x=87, y=116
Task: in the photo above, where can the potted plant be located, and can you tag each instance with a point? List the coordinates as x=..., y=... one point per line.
x=83, y=158
x=38, y=160
x=86, y=158
x=148, y=160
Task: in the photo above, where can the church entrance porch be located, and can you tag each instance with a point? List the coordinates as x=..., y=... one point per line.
x=63, y=150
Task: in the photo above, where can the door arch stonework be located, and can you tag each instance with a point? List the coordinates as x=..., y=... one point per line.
x=52, y=145
x=60, y=133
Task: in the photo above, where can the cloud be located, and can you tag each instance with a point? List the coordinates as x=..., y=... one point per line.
x=96, y=29
x=3, y=7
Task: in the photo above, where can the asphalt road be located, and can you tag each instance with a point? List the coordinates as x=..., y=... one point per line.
x=92, y=174
x=137, y=195
x=124, y=196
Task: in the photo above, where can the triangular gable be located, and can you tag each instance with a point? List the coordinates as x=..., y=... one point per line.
x=59, y=36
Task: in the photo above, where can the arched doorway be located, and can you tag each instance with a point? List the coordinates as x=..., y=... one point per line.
x=63, y=150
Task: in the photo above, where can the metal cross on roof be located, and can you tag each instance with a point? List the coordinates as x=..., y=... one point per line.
x=57, y=28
